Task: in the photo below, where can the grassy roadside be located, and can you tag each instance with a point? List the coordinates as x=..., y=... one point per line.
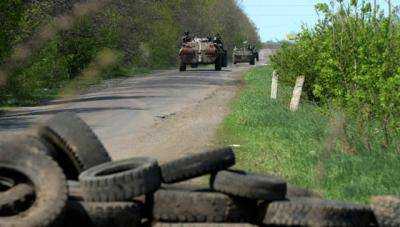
x=294, y=145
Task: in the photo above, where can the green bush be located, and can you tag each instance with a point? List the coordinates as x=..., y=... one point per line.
x=351, y=60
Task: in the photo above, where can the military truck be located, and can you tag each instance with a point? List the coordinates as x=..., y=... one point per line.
x=245, y=54
x=202, y=51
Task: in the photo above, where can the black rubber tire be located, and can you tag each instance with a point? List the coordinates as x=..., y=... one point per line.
x=182, y=67
x=6, y=183
x=316, y=212
x=225, y=59
x=197, y=165
x=14, y=198
x=120, y=180
x=294, y=191
x=248, y=185
x=218, y=63
x=116, y=214
x=78, y=148
x=387, y=210
x=75, y=191
x=37, y=143
x=252, y=61
x=44, y=175
x=183, y=205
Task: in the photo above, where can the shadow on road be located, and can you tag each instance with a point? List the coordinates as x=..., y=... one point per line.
x=23, y=120
x=93, y=99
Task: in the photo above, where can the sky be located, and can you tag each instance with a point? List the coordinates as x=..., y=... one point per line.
x=277, y=18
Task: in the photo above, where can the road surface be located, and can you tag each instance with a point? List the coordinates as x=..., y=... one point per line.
x=164, y=115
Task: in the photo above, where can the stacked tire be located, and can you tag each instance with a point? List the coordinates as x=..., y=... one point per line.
x=63, y=176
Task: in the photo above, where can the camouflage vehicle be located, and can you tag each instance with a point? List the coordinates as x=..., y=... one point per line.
x=202, y=51
x=245, y=54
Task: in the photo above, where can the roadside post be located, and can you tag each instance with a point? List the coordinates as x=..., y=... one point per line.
x=294, y=103
x=274, y=85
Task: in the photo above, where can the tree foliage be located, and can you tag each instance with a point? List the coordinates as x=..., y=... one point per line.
x=351, y=60
x=146, y=33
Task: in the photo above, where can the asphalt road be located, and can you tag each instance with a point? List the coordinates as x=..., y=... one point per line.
x=144, y=115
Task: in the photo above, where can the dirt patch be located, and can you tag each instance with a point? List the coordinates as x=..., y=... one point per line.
x=191, y=130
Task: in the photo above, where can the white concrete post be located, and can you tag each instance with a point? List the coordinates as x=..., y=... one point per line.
x=274, y=85
x=294, y=103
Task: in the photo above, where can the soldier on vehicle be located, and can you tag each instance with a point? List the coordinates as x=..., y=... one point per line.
x=186, y=37
x=218, y=41
x=209, y=37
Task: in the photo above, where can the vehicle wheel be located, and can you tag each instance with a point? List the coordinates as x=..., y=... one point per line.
x=16, y=198
x=218, y=63
x=182, y=67
x=252, y=61
x=225, y=59
x=247, y=185
x=120, y=180
x=78, y=148
x=316, y=212
x=46, y=177
x=197, y=165
x=118, y=214
x=387, y=210
x=183, y=205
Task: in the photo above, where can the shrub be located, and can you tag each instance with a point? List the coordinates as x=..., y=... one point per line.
x=351, y=61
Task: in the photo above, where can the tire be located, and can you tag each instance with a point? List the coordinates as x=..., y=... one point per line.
x=197, y=165
x=294, y=191
x=6, y=183
x=252, y=61
x=117, y=214
x=76, y=152
x=182, y=205
x=316, y=212
x=75, y=191
x=17, y=197
x=120, y=180
x=218, y=63
x=387, y=210
x=37, y=143
x=251, y=186
x=225, y=59
x=182, y=67
x=44, y=175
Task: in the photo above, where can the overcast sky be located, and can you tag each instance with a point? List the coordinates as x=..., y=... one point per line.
x=276, y=18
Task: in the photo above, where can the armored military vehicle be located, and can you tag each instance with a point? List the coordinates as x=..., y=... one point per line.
x=202, y=51
x=245, y=54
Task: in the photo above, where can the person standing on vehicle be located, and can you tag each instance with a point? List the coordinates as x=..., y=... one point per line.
x=186, y=37
x=218, y=41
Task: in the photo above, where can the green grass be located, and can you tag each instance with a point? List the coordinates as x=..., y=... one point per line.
x=293, y=145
